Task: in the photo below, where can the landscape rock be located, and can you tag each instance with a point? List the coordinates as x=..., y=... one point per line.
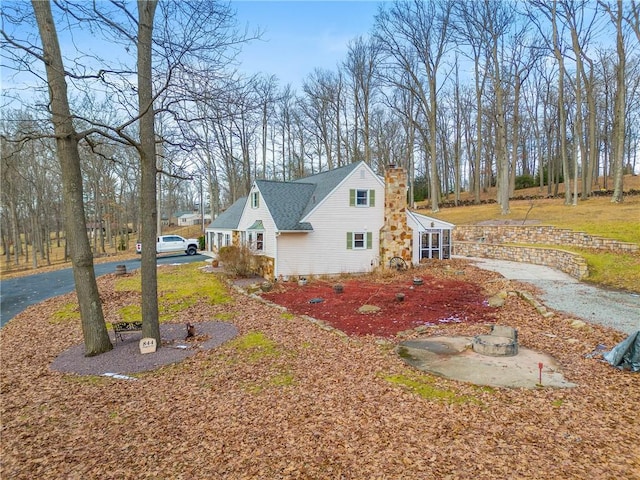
x=368, y=309
x=496, y=301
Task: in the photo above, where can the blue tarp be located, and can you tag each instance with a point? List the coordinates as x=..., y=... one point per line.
x=626, y=355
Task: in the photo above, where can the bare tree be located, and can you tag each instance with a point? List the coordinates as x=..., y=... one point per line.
x=360, y=65
x=148, y=170
x=633, y=17
x=96, y=338
x=469, y=29
x=266, y=89
x=550, y=11
x=414, y=37
x=498, y=17
x=322, y=89
x=619, y=115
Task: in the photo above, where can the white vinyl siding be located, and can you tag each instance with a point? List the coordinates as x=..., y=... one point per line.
x=323, y=250
x=250, y=216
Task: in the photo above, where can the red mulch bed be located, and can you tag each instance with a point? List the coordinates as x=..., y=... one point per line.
x=436, y=301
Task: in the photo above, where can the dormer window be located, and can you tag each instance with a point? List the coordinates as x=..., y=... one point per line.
x=255, y=199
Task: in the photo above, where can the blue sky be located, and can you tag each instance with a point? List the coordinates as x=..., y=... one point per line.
x=301, y=35
x=298, y=36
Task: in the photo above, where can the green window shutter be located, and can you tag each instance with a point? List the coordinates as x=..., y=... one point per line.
x=352, y=198
x=369, y=239
x=372, y=198
x=349, y=240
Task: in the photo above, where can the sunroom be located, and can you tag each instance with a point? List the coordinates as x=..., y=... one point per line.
x=431, y=237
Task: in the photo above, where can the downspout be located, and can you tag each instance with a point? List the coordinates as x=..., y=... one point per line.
x=275, y=257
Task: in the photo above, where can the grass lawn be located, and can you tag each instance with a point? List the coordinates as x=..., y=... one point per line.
x=595, y=216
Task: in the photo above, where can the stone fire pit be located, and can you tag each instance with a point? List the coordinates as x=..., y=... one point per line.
x=501, y=342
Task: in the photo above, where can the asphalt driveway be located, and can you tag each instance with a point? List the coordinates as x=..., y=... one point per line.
x=16, y=294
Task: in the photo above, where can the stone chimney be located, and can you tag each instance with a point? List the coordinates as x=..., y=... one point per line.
x=395, y=236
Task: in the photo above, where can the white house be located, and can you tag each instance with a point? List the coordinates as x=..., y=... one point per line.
x=346, y=220
x=189, y=219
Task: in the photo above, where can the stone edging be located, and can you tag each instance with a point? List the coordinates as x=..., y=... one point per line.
x=528, y=297
x=319, y=323
x=540, y=308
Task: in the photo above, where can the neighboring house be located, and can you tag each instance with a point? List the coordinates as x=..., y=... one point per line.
x=226, y=226
x=189, y=219
x=346, y=220
x=173, y=218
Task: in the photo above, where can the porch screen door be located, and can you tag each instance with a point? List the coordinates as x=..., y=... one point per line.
x=430, y=244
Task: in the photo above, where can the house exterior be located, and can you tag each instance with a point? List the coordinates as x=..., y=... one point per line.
x=189, y=219
x=346, y=220
x=223, y=231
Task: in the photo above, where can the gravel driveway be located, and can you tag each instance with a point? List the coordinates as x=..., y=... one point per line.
x=562, y=292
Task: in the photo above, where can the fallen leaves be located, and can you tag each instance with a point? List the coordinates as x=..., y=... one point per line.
x=319, y=408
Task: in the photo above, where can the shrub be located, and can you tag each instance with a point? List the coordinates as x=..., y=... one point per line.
x=525, y=181
x=236, y=260
x=201, y=243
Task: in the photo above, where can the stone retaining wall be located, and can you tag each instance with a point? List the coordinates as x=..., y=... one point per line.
x=539, y=234
x=568, y=262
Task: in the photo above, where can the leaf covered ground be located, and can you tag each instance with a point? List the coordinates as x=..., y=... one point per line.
x=287, y=399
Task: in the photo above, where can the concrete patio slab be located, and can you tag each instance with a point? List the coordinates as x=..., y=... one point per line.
x=453, y=357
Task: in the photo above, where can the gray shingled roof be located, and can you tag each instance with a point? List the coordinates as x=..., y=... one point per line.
x=288, y=202
x=324, y=183
x=229, y=219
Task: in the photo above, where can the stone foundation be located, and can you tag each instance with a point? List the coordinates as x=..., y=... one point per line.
x=263, y=266
x=235, y=238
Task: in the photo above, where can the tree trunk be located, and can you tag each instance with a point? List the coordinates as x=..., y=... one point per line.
x=433, y=146
x=515, y=134
x=587, y=184
x=578, y=138
x=148, y=172
x=502, y=160
x=96, y=338
x=562, y=113
x=619, y=113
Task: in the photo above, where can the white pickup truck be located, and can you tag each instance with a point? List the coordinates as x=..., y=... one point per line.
x=173, y=243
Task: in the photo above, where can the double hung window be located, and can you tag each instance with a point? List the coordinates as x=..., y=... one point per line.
x=359, y=240
x=360, y=197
